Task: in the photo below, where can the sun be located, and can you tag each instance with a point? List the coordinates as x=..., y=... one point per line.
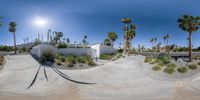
x=41, y=22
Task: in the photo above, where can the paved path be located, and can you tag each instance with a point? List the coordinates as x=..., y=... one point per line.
x=125, y=79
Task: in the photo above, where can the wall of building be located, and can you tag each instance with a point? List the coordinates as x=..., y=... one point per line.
x=94, y=51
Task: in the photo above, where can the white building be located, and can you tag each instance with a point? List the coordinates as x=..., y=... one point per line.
x=94, y=51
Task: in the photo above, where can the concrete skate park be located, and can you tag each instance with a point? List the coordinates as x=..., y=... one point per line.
x=127, y=78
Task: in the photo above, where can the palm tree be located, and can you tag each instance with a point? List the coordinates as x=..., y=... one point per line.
x=84, y=41
x=151, y=41
x=128, y=35
x=68, y=40
x=112, y=36
x=158, y=46
x=12, y=29
x=166, y=39
x=107, y=42
x=58, y=36
x=0, y=21
x=189, y=24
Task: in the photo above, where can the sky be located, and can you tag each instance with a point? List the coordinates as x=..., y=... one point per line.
x=95, y=18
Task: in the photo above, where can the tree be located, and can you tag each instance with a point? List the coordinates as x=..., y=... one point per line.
x=151, y=41
x=107, y=42
x=166, y=38
x=12, y=29
x=0, y=21
x=189, y=24
x=129, y=34
x=68, y=40
x=112, y=36
x=58, y=36
x=84, y=41
x=158, y=47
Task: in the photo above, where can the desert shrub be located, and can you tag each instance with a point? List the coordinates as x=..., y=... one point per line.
x=172, y=65
x=58, y=55
x=85, y=59
x=1, y=60
x=61, y=58
x=62, y=45
x=198, y=63
x=105, y=56
x=120, y=50
x=119, y=55
x=164, y=58
x=47, y=55
x=192, y=66
x=58, y=62
x=156, y=68
x=169, y=70
x=161, y=64
x=182, y=70
x=71, y=59
x=147, y=60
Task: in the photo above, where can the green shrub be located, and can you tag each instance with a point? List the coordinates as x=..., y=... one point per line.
x=58, y=62
x=71, y=59
x=105, y=56
x=198, y=63
x=61, y=58
x=192, y=66
x=156, y=68
x=86, y=59
x=172, y=65
x=120, y=50
x=62, y=45
x=182, y=70
x=58, y=55
x=164, y=58
x=147, y=60
x=169, y=70
x=47, y=55
x=1, y=60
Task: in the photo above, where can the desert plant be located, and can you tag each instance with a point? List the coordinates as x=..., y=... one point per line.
x=147, y=59
x=169, y=70
x=172, y=65
x=58, y=55
x=86, y=59
x=71, y=59
x=182, y=70
x=192, y=66
x=156, y=68
x=164, y=58
x=47, y=55
x=105, y=56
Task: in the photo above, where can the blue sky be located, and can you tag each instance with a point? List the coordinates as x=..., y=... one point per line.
x=95, y=18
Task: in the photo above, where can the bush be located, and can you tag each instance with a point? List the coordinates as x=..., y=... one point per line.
x=105, y=56
x=1, y=60
x=147, y=59
x=58, y=55
x=61, y=58
x=156, y=68
x=71, y=59
x=169, y=70
x=62, y=45
x=182, y=70
x=172, y=65
x=58, y=62
x=198, y=63
x=86, y=59
x=47, y=55
x=164, y=58
x=120, y=50
x=192, y=66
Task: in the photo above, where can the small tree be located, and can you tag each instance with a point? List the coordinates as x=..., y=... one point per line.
x=107, y=42
x=112, y=36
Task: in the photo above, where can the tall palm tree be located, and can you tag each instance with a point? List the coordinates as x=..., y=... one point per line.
x=0, y=21
x=189, y=24
x=151, y=41
x=107, y=42
x=84, y=41
x=112, y=36
x=12, y=29
x=68, y=40
x=129, y=34
x=166, y=39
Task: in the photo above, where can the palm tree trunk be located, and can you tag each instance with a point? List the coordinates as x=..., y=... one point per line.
x=14, y=42
x=190, y=46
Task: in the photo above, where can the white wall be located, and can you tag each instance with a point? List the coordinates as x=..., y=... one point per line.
x=94, y=51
